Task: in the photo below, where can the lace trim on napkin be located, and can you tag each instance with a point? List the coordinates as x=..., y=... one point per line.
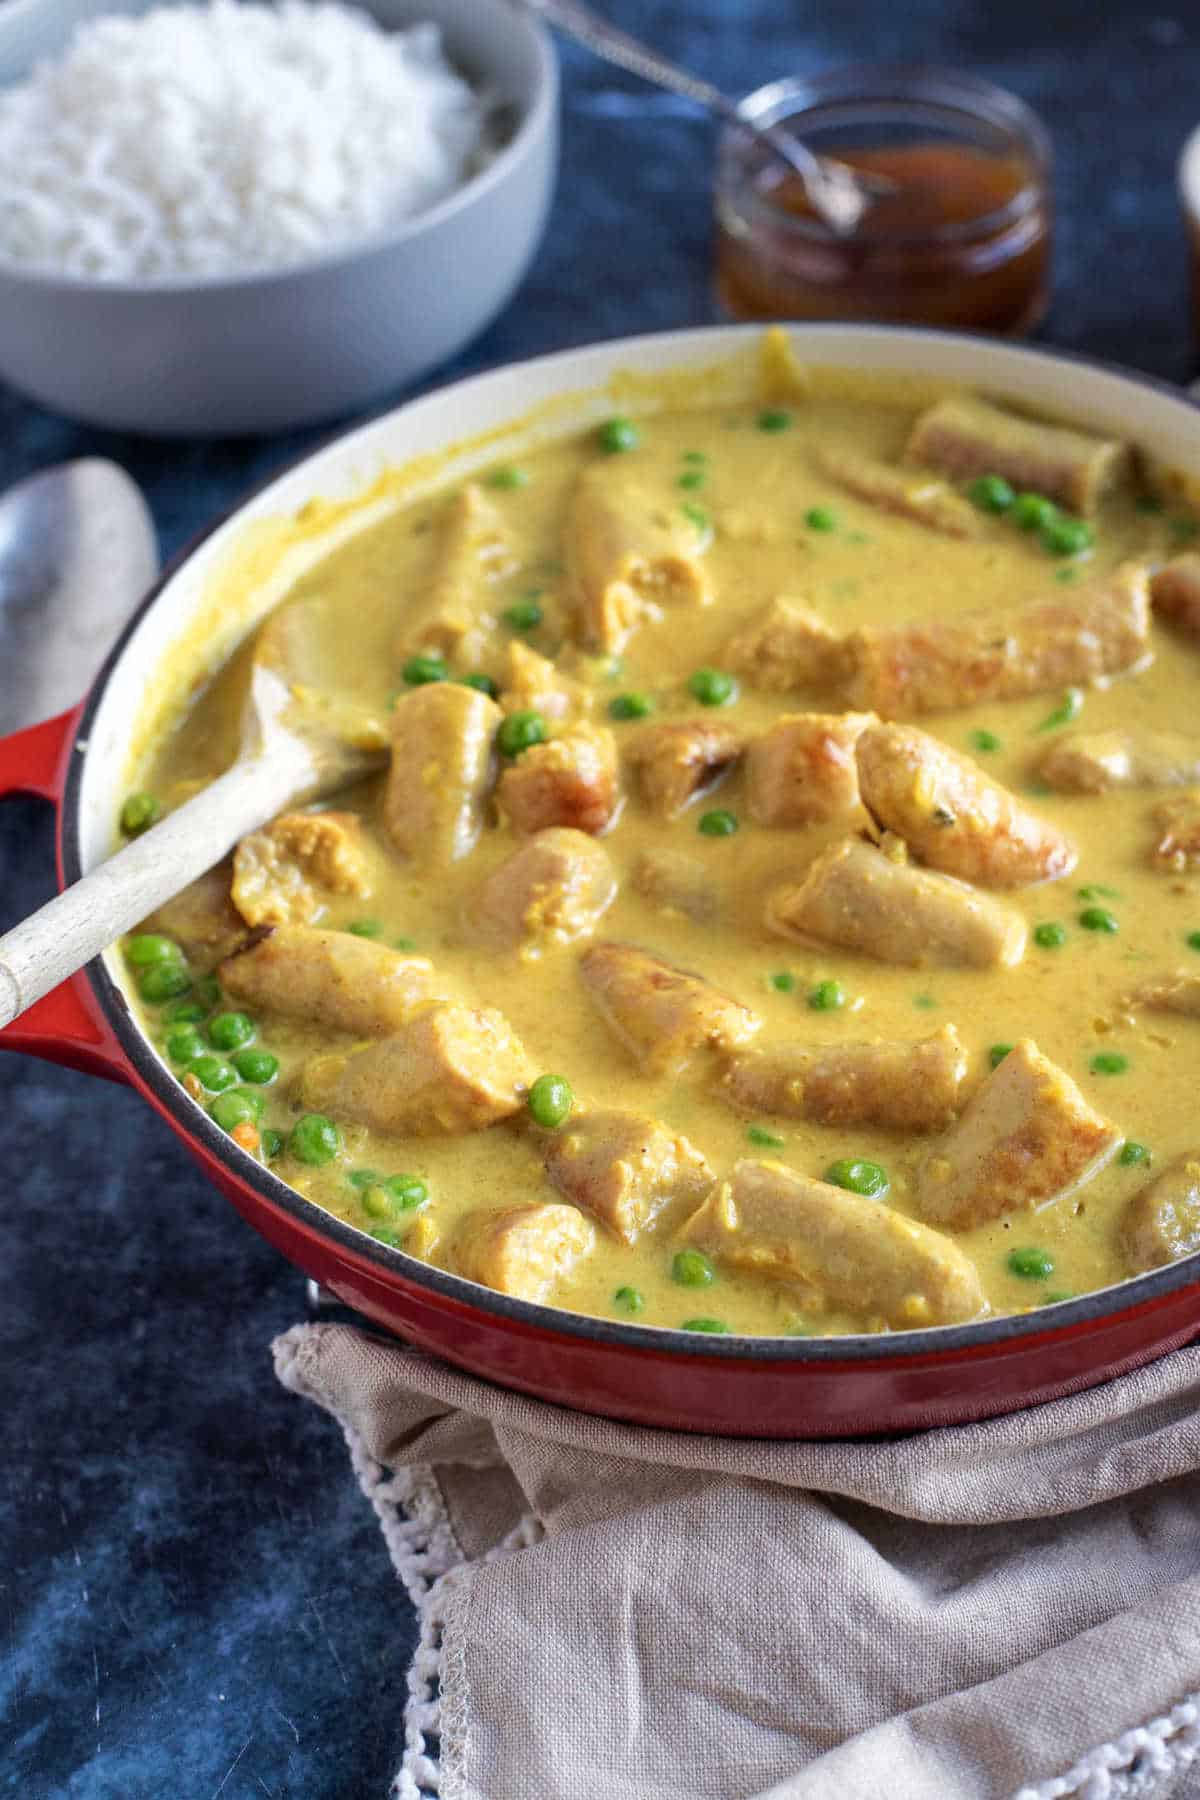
x=430, y=1562
x=1133, y=1764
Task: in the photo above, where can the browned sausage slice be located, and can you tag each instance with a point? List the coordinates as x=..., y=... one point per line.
x=328, y=978
x=967, y=436
x=524, y=1250
x=1026, y=1137
x=1176, y=847
x=907, y=1086
x=681, y=759
x=534, y=684
x=625, y=1169
x=442, y=769
x=1178, y=993
x=1175, y=592
x=789, y=646
x=952, y=815
x=553, y=889
x=674, y=882
x=1096, y=762
x=801, y=770
x=662, y=1015
x=629, y=553
x=569, y=781
x=1162, y=1221
x=473, y=552
x=771, y=1224
x=202, y=919
x=285, y=873
x=908, y=493
x=859, y=898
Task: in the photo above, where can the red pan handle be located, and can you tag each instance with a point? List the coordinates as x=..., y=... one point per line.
x=66, y=1026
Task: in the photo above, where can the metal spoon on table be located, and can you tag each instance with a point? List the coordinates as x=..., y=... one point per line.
x=839, y=194
x=297, y=743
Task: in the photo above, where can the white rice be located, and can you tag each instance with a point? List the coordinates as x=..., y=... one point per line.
x=222, y=139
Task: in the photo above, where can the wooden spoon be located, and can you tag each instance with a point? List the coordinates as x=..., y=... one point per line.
x=297, y=744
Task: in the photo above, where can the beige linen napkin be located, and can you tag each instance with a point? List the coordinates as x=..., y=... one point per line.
x=969, y=1614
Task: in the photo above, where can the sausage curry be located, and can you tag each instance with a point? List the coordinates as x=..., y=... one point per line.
x=778, y=912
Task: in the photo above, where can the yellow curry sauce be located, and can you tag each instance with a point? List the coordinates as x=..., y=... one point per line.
x=767, y=508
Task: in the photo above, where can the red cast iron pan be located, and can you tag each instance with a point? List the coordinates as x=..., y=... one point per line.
x=753, y=1387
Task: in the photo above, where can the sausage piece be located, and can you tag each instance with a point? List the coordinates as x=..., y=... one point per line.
x=789, y=646
x=770, y=1223
x=858, y=898
x=1178, y=993
x=1027, y=1136
x=939, y=664
x=534, y=684
x=1175, y=592
x=524, y=1250
x=442, y=769
x=952, y=815
x=629, y=553
x=674, y=882
x=202, y=919
x=906, y=1086
x=554, y=888
x=473, y=552
x=624, y=1169
x=908, y=493
x=284, y=874
x=328, y=978
x=569, y=781
x=967, y=436
x=1162, y=1221
x=1097, y=762
x=679, y=760
x=449, y=1069
x=802, y=771
x=1176, y=847
x=662, y=1015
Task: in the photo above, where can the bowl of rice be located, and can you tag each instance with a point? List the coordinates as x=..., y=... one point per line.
x=229, y=217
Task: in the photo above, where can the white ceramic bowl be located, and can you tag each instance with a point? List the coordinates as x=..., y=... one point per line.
x=267, y=352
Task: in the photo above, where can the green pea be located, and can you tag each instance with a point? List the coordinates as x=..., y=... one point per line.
x=696, y=515
x=1193, y=940
x=185, y=1012
x=213, y=1073
x=714, y=1326
x=208, y=991
x=139, y=812
x=783, y=981
x=406, y=1193
x=236, y=1107
x=508, y=475
x=1108, y=1062
x=695, y=456
x=384, y=1234
x=550, y=1101
x=364, y=1178
x=827, y=996
x=419, y=671
x=520, y=731
x=629, y=1299
x=483, y=684
x=1097, y=892
x=1031, y=1264
x=820, y=518
x=258, y=1066
x=148, y=948
x=630, y=706
x=1033, y=511
x=1050, y=935
x=376, y=1204
x=230, y=1030
x=691, y=1268
x=766, y=1140
x=713, y=687
x=720, y=823
x=617, y=435
x=691, y=479
x=991, y=493
x=523, y=615
x=270, y=1143
x=184, y=1043
x=773, y=418
x=1057, y=1297
x=985, y=742
x=405, y=943
x=1132, y=1152
x=1067, y=575
x=1098, y=918
x=1066, y=537
x=997, y=1054
x=315, y=1140
x=859, y=1176
x=365, y=928
x=1068, y=709
x=924, y=1002
x=163, y=981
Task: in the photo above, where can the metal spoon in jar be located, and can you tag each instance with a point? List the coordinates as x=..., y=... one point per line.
x=297, y=744
x=839, y=194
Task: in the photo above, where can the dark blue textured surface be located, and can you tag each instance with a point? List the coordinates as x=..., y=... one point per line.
x=194, y=1600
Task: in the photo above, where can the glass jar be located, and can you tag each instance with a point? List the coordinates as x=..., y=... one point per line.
x=964, y=240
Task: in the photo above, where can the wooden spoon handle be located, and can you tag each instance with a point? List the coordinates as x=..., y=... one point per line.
x=83, y=920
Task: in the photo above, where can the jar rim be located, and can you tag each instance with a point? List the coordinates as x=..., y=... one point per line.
x=904, y=86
